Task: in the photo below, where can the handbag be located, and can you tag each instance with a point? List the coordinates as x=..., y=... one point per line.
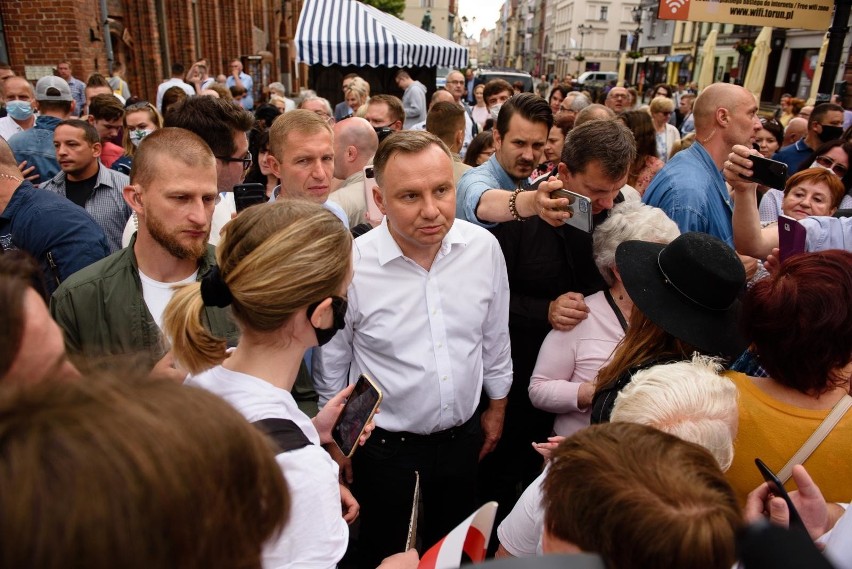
x=816, y=438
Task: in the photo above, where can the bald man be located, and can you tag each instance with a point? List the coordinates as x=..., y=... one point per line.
x=355, y=143
x=796, y=130
x=20, y=106
x=690, y=188
x=439, y=96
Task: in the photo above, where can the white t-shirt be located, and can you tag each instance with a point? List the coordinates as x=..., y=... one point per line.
x=316, y=535
x=157, y=295
x=520, y=532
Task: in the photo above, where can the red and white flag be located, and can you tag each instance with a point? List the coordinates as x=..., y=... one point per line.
x=470, y=538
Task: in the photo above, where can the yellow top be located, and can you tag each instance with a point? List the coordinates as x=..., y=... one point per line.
x=773, y=431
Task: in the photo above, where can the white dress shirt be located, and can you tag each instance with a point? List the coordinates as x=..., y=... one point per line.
x=316, y=534
x=430, y=339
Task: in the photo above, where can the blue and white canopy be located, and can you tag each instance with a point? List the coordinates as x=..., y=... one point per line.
x=347, y=32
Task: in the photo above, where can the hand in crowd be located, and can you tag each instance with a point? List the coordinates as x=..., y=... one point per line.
x=27, y=173
x=168, y=369
x=567, y=311
x=349, y=504
x=817, y=516
x=327, y=417
x=772, y=262
x=344, y=463
x=551, y=210
x=492, y=425
x=546, y=449
x=738, y=162
x=407, y=560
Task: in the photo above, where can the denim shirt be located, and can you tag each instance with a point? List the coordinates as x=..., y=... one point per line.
x=36, y=147
x=692, y=192
x=476, y=182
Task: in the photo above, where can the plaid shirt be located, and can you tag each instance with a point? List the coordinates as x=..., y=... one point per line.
x=106, y=204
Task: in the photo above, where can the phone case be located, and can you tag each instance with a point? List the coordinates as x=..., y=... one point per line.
x=580, y=207
x=791, y=237
x=373, y=211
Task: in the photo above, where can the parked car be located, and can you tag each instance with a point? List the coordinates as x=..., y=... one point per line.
x=596, y=79
x=511, y=75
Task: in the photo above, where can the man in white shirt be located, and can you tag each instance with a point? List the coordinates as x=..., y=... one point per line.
x=428, y=321
x=20, y=106
x=176, y=80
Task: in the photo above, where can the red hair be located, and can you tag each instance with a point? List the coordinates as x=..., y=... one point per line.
x=800, y=320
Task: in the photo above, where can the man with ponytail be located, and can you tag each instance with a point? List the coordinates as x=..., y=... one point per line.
x=113, y=309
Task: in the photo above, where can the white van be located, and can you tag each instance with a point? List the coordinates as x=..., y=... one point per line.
x=596, y=79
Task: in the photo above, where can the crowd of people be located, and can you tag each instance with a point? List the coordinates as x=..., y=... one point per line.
x=606, y=364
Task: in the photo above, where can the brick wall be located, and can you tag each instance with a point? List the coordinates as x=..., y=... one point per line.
x=45, y=32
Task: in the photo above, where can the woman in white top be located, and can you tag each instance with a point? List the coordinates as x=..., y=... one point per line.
x=661, y=109
x=283, y=268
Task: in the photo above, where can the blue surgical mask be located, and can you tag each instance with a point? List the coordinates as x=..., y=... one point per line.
x=136, y=136
x=19, y=110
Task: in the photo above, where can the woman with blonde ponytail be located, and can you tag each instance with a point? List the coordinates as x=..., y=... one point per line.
x=283, y=269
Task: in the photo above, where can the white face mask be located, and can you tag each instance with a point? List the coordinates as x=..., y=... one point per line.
x=495, y=110
x=136, y=136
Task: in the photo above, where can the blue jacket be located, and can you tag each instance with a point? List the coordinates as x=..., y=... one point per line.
x=36, y=147
x=692, y=192
x=59, y=234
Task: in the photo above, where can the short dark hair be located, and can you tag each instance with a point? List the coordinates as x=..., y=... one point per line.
x=607, y=142
x=444, y=120
x=529, y=106
x=479, y=143
x=494, y=87
x=395, y=109
x=404, y=142
x=97, y=80
x=63, y=107
x=106, y=107
x=90, y=133
x=214, y=120
x=821, y=110
x=17, y=272
x=815, y=289
x=178, y=69
x=639, y=497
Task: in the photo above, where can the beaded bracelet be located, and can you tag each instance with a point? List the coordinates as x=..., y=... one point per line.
x=513, y=208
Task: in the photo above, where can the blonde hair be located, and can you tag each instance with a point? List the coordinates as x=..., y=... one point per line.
x=661, y=105
x=689, y=400
x=275, y=259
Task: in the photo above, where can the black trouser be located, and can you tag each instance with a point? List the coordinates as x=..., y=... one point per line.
x=384, y=486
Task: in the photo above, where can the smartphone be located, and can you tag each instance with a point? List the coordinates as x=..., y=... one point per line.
x=373, y=211
x=246, y=195
x=770, y=173
x=580, y=208
x=777, y=488
x=791, y=237
x=357, y=413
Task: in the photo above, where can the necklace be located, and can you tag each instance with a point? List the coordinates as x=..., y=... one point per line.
x=10, y=177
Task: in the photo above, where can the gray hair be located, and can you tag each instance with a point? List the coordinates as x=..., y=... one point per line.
x=324, y=101
x=629, y=221
x=578, y=101
x=607, y=142
x=593, y=112
x=689, y=400
x=277, y=88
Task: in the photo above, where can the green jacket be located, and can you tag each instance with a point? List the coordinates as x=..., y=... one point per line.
x=103, y=314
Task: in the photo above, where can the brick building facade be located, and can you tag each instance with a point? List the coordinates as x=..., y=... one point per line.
x=148, y=36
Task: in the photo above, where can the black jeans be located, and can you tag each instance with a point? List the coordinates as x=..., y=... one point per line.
x=383, y=470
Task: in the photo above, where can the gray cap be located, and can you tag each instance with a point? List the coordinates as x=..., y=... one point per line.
x=52, y=88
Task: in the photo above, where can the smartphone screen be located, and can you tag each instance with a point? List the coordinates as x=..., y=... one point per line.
x=777, y=488
x=246, y=195
x=357, y=412
x=373, y=211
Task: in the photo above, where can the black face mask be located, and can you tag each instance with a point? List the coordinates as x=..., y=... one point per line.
x=830, y=132
x=338, y=310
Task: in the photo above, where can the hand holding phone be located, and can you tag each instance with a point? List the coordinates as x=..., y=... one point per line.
x=769, y=173
x=362, y=404
x=777, y=488
x=791, y=237
x=580, y=208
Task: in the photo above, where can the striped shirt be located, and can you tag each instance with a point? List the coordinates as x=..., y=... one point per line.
x=106, y=203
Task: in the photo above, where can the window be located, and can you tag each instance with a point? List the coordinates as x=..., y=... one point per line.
x=604, y=13
x=622, y=42
x=427, y=3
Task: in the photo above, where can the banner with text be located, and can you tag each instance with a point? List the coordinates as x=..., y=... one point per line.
x=806, y=15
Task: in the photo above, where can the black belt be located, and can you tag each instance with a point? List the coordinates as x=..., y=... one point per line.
x=381, y=435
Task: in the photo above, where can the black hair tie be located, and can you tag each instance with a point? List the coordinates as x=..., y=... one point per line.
x=214, y=290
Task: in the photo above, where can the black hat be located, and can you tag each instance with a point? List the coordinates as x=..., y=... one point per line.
x=689, y=288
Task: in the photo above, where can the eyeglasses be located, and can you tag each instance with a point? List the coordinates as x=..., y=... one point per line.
x=246, y=160
x=667, y=113
x=833, y=165
x=618, y=96
x=772, y=122
x=456, y=82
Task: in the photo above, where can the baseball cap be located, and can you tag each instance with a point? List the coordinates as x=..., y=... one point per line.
x=53, y=88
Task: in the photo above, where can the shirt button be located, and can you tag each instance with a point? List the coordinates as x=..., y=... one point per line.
x=444, y=378
x=446, y=407
x=440, y=344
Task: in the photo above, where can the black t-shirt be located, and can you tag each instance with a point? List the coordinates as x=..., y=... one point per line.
x=79, y=192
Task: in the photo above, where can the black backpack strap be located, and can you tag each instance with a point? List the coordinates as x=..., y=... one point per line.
x=284, y=432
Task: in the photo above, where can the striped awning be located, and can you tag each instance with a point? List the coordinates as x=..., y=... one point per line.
x=347, y=32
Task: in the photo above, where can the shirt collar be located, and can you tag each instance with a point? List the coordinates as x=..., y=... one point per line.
x=388, y=249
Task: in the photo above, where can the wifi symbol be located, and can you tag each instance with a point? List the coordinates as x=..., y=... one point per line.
x=675, y=5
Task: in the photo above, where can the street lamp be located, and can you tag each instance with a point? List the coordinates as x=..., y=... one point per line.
x=582, y=30
x=636, y=12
